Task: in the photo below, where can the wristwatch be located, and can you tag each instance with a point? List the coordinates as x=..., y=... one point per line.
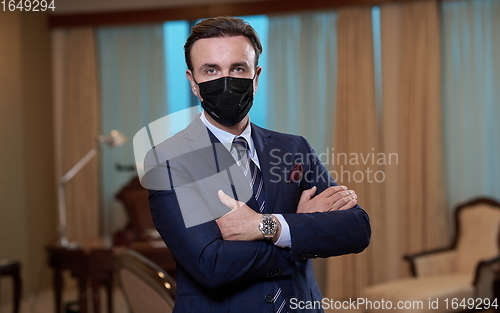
x=268, y=226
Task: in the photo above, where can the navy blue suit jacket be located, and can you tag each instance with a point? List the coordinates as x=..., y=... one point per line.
x=184, y=174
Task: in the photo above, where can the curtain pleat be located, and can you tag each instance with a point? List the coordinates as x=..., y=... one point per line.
x=390, y=42
x=415, y=189
x=357, y=146
x=423, y=195
x=408, y=208
x=77, y=123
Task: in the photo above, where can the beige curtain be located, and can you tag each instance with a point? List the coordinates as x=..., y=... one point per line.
x=401, y=148
x=415, y=190
x=356, y=140
x=77, y=126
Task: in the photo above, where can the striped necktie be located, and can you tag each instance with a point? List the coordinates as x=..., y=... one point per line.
x=251, y=171
x=254, y=177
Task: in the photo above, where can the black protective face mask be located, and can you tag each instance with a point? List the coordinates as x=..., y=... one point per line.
x=227, y=99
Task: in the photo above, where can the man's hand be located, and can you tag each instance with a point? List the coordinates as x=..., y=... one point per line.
x=331, y=199
x=242, y=223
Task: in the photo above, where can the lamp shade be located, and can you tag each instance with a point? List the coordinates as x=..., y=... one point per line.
x=114, y=139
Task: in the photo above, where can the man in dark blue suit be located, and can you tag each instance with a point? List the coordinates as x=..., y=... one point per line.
x=244, y=209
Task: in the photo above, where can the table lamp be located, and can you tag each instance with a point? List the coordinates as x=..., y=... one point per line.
x=114, y=139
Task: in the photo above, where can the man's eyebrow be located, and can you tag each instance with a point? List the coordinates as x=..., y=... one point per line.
x=244, y=64
x=216, y=66
x=209, y=65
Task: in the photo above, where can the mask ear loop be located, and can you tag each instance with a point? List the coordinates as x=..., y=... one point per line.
x=255, y=82
x=192, y=75
x=255, y=73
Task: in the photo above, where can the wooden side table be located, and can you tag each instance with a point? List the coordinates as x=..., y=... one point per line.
x=91, y=264
x=13, y=268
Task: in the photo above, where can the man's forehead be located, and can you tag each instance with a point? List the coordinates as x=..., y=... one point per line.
x=236, y=49
x=240, y=39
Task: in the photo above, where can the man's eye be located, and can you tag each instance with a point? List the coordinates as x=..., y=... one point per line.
x=210, y=71
x=238, y=69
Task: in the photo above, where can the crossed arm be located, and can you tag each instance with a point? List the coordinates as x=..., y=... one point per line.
x=214, y=262
x=241, y=223
x=210, y=251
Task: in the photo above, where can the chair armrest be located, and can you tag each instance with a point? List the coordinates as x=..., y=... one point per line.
x=486, y=273
x=432, y=262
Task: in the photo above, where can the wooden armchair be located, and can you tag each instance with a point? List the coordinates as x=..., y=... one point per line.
x=460, y=276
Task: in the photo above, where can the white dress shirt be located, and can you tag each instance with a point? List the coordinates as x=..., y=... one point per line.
x=226, y=138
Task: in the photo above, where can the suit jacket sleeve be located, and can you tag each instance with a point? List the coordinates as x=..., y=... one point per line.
x=330, y=233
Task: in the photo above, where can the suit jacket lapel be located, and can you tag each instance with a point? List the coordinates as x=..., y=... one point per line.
x=208, y=147
x=198, y=139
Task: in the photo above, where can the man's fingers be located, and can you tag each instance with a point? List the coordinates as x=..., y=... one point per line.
x=307, y=194
x=346, y=199
x=330, y=191
x=228, y=201
x=331, y=199
x=342, y=194
x=349, y=205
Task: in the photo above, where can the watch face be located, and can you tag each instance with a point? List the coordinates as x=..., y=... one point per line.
x=268, y=226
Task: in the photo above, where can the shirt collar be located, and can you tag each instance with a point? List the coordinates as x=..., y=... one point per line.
x=227, y=138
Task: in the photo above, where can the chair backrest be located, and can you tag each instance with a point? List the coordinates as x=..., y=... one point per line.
x=147, y=287
x=477, y=233
x=135, y=200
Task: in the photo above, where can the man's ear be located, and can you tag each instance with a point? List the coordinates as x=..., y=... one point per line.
x=192, y=83
x=258, y=70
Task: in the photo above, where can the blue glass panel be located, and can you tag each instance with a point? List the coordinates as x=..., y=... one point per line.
x=178, y=91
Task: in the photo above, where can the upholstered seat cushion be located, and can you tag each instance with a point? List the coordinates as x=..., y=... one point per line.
x=422, y=291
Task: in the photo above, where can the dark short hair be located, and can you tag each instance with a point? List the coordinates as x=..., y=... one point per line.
x=218, y=27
